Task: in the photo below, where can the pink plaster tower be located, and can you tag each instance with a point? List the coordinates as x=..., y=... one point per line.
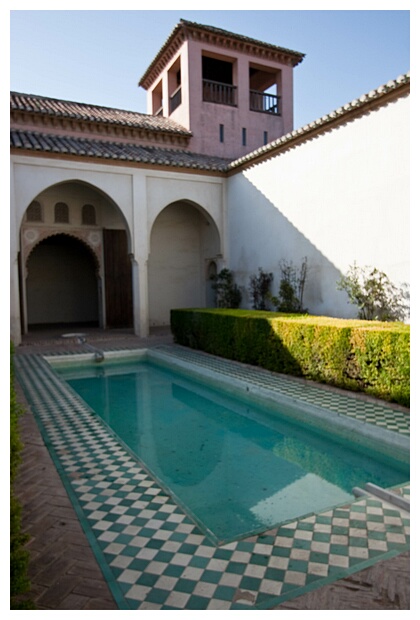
x=233, y=93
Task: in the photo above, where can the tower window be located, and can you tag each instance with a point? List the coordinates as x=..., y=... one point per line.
x=174, y=86
x=61, y=213
x=243, y=136
x=217, y=70
x=265, y=137
x=157, y=101
x=264, y=95
x=218, y=81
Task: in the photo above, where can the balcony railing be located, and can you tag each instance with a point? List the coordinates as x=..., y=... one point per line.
x=263, y=102
x=175, y=100
x=218, y=92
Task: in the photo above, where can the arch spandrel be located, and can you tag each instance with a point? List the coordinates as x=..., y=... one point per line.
x=32, y=236
x=77, y=193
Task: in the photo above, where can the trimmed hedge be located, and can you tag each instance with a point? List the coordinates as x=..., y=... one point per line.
x=367, y=356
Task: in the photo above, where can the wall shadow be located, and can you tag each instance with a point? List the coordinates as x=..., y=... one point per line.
x=267, y=237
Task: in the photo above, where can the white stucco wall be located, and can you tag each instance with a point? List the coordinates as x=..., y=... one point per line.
x=336, y=199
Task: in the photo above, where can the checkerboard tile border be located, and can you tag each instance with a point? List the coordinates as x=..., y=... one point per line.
x=380, y=414
x=151, y=552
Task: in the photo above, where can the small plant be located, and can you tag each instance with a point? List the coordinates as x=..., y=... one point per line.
x=377, y=298
x=259, y=289
x=292, y=284
x=228, y=294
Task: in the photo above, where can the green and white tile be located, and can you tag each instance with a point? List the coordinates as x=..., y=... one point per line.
x=153, y=554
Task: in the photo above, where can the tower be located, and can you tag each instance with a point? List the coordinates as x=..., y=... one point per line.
x=232, y=92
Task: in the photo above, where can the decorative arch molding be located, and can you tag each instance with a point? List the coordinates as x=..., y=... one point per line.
x=62, y=282
x=102, y=194
x=33, y=236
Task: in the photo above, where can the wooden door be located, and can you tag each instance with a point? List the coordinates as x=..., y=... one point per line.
x=118, y=279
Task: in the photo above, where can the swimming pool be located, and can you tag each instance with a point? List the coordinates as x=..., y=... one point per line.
x=153, y=555
x=237, y=468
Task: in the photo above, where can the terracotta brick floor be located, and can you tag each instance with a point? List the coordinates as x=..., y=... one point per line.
x=63, y=570
x=64, y=573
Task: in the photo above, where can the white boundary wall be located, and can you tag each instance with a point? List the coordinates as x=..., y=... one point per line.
x=338, y=198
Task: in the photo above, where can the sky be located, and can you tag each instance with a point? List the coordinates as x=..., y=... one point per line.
x=95, y=56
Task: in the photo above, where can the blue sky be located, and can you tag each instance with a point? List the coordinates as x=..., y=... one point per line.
x=97, y=57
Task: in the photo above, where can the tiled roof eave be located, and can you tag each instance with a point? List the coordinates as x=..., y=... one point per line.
x=35, y=142
x=41, y=142
x=186, y=29
x=26, y=105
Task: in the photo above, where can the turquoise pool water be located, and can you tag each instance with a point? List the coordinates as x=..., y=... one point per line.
x=234, y=466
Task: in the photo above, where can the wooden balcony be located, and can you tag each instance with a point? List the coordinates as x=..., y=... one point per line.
x=218, y=92
x=263, y=102
x=226, y=94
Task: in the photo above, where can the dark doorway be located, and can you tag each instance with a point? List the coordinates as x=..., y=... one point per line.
x=118, y=279
x=62, y=283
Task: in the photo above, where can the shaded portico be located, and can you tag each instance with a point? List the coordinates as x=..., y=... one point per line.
x=74, y=261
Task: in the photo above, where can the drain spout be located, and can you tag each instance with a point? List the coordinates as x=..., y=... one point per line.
x=389, y=496
x=81, y=339
x=358, y=492
x=97, y=353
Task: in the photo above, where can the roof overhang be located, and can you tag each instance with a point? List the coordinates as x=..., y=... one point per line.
x=185, y=30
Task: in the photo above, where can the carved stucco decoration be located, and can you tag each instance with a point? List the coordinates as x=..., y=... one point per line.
x=33, y=235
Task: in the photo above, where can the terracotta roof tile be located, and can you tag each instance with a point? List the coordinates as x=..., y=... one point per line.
x=241, y=37
x=184, y=26
x=69, y=145
x=94, y=113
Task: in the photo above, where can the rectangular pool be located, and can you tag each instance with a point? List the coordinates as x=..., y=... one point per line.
x=235, y=466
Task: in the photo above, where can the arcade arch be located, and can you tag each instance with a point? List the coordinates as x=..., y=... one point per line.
x=62, y=284
x=184, y=241
x=75, y=269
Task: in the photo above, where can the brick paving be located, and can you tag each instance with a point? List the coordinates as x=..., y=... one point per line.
x=64, y=573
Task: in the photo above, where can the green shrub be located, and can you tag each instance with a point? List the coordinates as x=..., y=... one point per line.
x=376, y=297
x=260, y=289
x=292, y=285
x=228, y=294
x=372, y=357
